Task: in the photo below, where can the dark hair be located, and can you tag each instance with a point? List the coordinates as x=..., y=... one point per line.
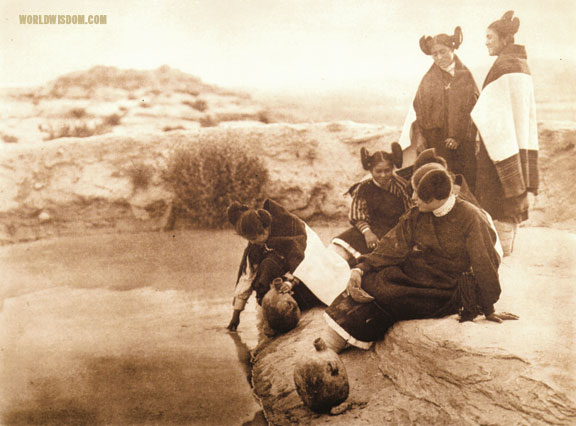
x=432, y=182
x=369, y=161
x=248, y=222
x=453, y=42
x=506, y=27
x=429, y=156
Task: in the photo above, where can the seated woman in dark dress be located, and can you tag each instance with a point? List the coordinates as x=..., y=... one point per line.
x=377, y=204
x=439, y=260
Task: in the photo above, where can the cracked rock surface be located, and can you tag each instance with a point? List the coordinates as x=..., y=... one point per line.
x=441, y=372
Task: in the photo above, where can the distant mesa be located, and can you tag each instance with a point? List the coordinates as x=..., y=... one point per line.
x=164, y=78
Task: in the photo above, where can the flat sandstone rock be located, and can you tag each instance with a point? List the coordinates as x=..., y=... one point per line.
x=441, y=372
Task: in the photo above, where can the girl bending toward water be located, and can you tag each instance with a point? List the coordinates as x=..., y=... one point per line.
x=281, y=246
x=377, y=204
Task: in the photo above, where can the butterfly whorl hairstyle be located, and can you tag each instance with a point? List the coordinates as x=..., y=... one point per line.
x=248, y=222
x=369, y=161
x=453, y=42
x=506, y=26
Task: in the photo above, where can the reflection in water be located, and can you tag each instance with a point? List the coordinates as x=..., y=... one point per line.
x=124, y=330
x=244, y=354
x=245, y=358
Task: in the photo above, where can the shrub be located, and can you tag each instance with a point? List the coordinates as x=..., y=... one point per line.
x=140, y=175
x=199, y=104
x=77, y=112
x=205, y=178
x=77, y=130
x=208, y=121
x=8, y=138
x=172, y=128
x=112, y=120
x=264, y=117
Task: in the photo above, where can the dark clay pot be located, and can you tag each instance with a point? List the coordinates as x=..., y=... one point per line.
x=320, y=378
x=280, y=309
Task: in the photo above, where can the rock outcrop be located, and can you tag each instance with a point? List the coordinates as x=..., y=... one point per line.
x=73, y=185
x=114, y=183
x=441, y=372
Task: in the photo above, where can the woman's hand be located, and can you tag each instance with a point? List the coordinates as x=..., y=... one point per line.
x=451, y=143
x=286, y=287
x=371, y=239
x=501, y=316
x=233, y=325
x=354, y=288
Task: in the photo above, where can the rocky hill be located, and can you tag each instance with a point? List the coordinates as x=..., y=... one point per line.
x=107, y=100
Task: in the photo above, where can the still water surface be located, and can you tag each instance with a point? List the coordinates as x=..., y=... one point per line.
x=124, y=330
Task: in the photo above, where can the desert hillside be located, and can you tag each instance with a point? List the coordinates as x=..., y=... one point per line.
x=86, y=153
x=107, y=100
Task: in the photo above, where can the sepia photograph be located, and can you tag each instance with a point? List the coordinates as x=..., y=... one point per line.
x=281, y=212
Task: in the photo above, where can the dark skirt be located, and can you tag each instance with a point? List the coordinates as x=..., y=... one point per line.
x=397, y=296
x=304, y=297
x=353, y=241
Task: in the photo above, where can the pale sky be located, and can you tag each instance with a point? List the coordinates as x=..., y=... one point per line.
x=270, y=44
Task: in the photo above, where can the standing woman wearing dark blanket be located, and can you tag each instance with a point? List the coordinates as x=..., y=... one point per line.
x=505, y=115
x=445, y=97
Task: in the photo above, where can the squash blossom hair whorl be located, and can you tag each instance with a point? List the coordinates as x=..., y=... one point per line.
x=506, y=27
x=249, y=223
x=429, y=156
x=432, y=182
x=369, y=161
x=453, y=42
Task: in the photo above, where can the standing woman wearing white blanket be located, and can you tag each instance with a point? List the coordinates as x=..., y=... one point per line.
x=505, y=115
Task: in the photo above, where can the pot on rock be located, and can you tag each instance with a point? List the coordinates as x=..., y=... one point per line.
x=321, y=379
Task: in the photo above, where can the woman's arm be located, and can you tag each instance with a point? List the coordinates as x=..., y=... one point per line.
x=360, y=219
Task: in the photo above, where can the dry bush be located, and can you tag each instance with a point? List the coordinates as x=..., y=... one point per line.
x=80, y=129
x=208, y=121
x=172, y=128
x=140, y=175
x=70, y=130
x=8, y=138
x=112, y=120
x=199, y=104
x=77, y=112
x=205, y=178
x=264, y=117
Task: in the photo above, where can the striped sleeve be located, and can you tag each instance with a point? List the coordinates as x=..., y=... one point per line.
x=359, y=213
x=401, y=189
